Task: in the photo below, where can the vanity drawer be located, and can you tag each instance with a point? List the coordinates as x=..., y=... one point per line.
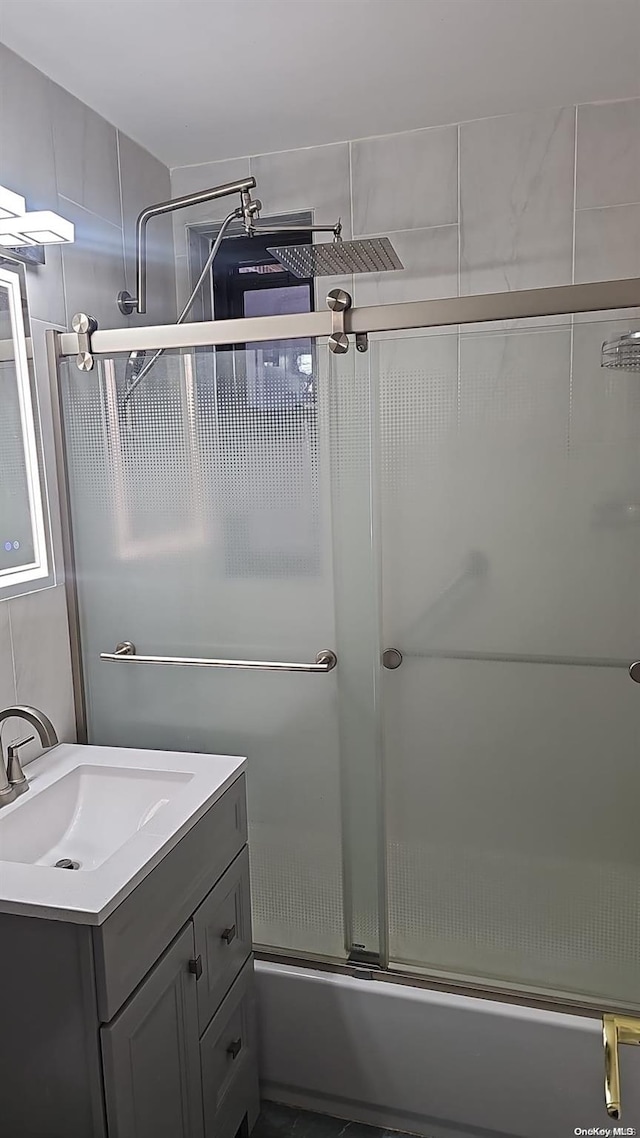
x=129, y=942
x=223, y=936
x=227, y=1052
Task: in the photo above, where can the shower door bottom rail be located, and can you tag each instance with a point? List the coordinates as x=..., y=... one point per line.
x=325, y=661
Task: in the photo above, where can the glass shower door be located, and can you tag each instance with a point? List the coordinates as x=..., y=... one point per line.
x=509, y=508
x=202, y=528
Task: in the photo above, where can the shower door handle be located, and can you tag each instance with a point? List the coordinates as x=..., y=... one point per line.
x=616, y=1030
x=392, y=659
x=634, y=671
x=325, y=661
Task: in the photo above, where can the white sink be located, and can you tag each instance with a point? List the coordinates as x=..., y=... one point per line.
x=112, y=812
x=86, y=815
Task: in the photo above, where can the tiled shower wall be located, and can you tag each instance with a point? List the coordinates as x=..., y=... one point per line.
x=61, y=155
x=514, y=202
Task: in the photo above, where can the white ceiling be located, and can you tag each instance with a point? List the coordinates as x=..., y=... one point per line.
x=194, y=80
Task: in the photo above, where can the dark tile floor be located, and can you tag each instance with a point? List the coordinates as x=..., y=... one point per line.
x=278, y=1121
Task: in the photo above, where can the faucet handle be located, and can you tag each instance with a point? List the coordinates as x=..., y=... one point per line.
x=20, y=742
x=15, y=774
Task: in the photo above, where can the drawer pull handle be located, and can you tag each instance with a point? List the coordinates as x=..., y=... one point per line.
x=234, y=1048
x=195, y=966
x=229, y=934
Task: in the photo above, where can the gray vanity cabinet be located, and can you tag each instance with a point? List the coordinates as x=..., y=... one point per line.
x=151, y=1054
x=142, y=1026
x=222, y=928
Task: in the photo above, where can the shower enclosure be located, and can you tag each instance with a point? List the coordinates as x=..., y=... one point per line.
x=454, y=511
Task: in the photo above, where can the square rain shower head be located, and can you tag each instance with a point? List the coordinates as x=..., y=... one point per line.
x=339, y=258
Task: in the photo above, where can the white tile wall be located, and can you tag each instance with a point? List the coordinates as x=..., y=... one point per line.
x=93, y=266
x=188, y=179
x=532, y=200
x=607, y=243
x=86, y=157
x=145, y=181
x=316, y=179
x=405, y=181
x=516, y=201
x=608, y=154
x=63, y=156
x=430, y=259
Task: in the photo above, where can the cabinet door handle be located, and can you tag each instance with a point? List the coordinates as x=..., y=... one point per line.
x=229, y=934
x=195, y=966
x=234, y=1048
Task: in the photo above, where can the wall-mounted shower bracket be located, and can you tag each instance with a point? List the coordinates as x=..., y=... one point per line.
x=338, y=301
x=84, y=326
x=616, y=1030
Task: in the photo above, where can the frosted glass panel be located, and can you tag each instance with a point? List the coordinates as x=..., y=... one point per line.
x=510, y=520
x=202, y=528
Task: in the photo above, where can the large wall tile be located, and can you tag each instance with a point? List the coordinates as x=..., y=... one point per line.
x=605, y=402
x=145, y=181
x=405, y=181
x=26, y=135
x=86, y=156
x=430, y=259
x=315, y=179
x=38, y=330
x=509, y=494
x=7, y=682
x=182, y=281
x=45, y=283
x=516, y=181
x=93, y=266
x=607, y=243
x=517, y=385
x=608, y=166
x=28, y=167
x=42, y=656
x=190, y=179
x=82, y=162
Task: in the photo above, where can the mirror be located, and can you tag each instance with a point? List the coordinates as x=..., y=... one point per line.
x=23, y=535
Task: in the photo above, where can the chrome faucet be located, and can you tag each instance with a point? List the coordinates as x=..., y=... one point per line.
x=13, y=780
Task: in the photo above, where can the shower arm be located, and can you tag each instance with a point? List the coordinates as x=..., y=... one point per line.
x=138, y=303
x=268, y=227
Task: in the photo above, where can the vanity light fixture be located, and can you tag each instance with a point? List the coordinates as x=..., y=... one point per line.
x=41, y=227
x=11, y=205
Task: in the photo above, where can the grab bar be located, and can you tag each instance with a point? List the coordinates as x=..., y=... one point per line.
x=325, y=661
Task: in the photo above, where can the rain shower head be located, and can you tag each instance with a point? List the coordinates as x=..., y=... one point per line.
x=339, y=258
x=624, y=352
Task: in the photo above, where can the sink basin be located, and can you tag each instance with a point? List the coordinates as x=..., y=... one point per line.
x=87, y=814
x=111, y=813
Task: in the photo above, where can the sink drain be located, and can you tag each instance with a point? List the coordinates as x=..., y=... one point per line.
x=67, y=863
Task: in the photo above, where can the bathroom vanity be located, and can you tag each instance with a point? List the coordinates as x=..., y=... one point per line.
x=127, y=986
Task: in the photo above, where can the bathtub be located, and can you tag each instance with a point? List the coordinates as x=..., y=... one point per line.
x=434, y=1063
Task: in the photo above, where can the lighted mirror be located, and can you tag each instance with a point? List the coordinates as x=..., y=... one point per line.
x=24, y=558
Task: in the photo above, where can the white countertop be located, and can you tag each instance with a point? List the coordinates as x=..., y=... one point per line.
x=88, y=895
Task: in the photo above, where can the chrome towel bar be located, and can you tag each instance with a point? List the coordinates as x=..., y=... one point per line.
x=325, y=661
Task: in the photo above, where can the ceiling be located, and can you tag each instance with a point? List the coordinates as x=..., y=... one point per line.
x=195, y=80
